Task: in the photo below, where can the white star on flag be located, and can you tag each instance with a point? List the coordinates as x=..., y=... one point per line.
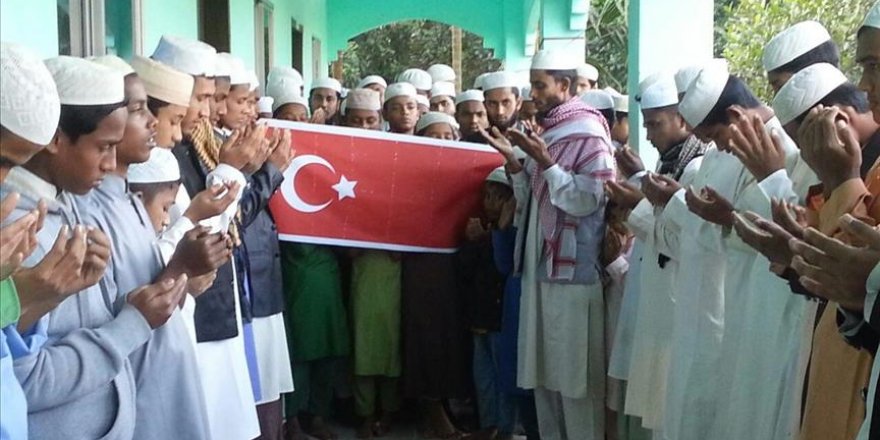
x=345, y=188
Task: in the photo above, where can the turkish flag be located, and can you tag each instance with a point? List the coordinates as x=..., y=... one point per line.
x=371, y=189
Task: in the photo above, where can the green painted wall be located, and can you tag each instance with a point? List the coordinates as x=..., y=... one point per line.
x=33, y=23
x=241, y=30
x=312, y=16
x=175, y=17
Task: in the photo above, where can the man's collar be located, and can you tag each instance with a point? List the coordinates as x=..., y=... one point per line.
x=31, y=185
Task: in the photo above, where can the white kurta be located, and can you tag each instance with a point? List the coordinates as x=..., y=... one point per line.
x=614, y=289
x=646, y=389
x=561, y=336
x=232, y=412
x=763, y=322
x=699, y=315
x=273, y=358
x=621, y=349
x=223, y=366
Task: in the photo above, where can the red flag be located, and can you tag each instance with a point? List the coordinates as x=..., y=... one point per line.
x=372, y=189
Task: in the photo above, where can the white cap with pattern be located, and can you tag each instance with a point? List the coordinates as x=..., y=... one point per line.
x=792, y=43
x=161, y=167
x=441, y=72
x=658, y=90
x=327, y=83
x=82, y=82
x=115, y=63
x=470, y=95
x=588, y=71
x=598, y=99
x=29, y=102
x=704, y=93
x=432, y=118
x=417, y=77
x=549, y=59
x=400, y=89
x=443, y=88
x=805, y=89
x=189, y=56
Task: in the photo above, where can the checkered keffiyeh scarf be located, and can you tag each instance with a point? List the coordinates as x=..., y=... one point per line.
x=576, y=136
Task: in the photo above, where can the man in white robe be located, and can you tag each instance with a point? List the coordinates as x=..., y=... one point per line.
x=681, y=155
x=561, y=225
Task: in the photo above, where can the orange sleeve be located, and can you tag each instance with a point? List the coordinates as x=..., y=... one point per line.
x=851, y=197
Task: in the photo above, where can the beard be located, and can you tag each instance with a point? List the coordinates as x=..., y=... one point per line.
x=505, y=124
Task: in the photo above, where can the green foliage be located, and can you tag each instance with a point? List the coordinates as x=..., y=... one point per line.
x=391, y=49
x=607, y=41
x=749, y=24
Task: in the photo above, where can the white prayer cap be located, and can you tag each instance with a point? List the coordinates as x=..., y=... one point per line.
x=189, y=56
x=621, y=102
x=29, y=104
x=285, y=97
x=264, y=104
x=498, y=80
x=470, y=95
x=872, y=20
x=441, y=72
x=805, y=89
x=658, y=90
x=327, y=83
x=423, y=100
x=588, y=71
x=221, y=66
x=432, y=118
x=498, y=176
x=238, y=74
x=82, y=82
x=417, y=77
x=253, y=80
x=443, y=88
x=163, y=82
x=363, y=99
x=277, y=85
x=548, y=59
x=161, y=167
x=704, y=93
x=400, y=89
x=372, y=79
x=792, y=43
x=526, y=93
x=598, y=99
x=478, y=81
x=114, y=63
x=685, y=76
x=284, y=72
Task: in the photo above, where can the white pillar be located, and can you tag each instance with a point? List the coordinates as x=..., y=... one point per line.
x=664, y=34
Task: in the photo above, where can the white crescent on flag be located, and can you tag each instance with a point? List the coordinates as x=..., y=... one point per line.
x=289, y=191
x=345, y=187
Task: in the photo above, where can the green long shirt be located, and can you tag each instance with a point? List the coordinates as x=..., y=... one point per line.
x=10, y=309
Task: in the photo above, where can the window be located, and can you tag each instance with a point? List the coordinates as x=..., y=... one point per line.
x=214, y=23
x=263, y=38
x=317, y=70
x=297, y=45
x=98, y=27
